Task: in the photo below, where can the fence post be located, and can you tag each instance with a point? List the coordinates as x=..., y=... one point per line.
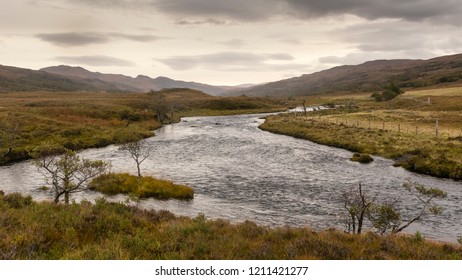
x=437, y=128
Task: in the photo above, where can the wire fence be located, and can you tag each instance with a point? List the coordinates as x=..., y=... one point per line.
x=437, y=128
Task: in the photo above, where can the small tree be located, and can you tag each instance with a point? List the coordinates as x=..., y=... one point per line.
x=8, y=138
x=65, y=170
x=425, y=196
x=391, y=91
x=139, y=151
x=160, y=105
x=386, y=216
x=357, y=204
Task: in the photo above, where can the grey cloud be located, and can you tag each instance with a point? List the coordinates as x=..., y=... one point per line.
x=138, y=38
x=71, y=39
x=200, y=22
x=395, y=37
x=243, y=10
x=394, y=40
x=232, y=61
x=410, y=10
x=291, y=41
x=235, y=43
x=445, y=11
x=208, y=11
x=280, y=56
x=95, y=60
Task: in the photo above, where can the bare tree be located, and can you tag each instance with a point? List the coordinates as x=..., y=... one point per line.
x=357, y=205
x=304, y=106
x=139, y=151
x=65, y=170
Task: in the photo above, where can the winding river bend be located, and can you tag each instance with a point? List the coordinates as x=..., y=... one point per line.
x=242, y=173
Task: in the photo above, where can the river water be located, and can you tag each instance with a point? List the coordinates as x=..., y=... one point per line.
x=240, y=172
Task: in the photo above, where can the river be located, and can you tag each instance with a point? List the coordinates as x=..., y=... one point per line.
x=240, y=172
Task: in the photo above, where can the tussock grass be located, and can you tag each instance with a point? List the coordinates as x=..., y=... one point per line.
x=105, y=230
x=144, y=187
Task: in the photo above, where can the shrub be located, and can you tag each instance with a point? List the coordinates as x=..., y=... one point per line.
x=17, y=201
x=362, y=158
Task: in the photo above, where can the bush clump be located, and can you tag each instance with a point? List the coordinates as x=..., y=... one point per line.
x=115, y=231
x=143, y=187
x=362, y=158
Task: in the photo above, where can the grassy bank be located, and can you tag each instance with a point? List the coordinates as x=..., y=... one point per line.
x=87, y=120
x=104, y=230
x=403, y=129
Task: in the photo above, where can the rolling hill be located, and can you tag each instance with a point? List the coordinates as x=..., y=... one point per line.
x=366, y=77
x=125, y=83
x=13, y=79
x=67, y=78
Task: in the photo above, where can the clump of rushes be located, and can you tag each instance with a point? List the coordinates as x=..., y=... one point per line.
x=362, y=158
x=144, y=187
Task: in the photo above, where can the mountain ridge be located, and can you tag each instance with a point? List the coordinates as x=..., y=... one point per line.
x=369, y=76
x=140, y=83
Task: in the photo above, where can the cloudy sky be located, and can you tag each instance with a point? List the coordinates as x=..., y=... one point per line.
x=224, y=42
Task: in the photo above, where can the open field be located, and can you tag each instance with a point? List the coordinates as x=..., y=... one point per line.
x=421, y=129
x=113, y=231
x=86, y=120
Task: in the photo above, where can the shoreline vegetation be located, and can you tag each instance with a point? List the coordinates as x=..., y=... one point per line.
x=419, y=130
x=81, y=120
x=111, y=231
x=106, y=230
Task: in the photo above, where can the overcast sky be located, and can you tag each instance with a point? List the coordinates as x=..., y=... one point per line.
x=224, y=42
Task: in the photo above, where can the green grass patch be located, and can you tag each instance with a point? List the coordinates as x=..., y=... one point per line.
x=144, y=187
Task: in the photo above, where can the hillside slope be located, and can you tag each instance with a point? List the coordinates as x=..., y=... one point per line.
x=13, y=79
x=369, y=76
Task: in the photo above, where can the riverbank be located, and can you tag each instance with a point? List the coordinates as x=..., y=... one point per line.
x=104, y=230
x=91, y=120
x=403, y=133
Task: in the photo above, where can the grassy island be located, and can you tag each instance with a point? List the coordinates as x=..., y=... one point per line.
x=143, y=187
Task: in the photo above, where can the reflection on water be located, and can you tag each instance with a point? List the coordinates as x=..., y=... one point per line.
x=242, y=173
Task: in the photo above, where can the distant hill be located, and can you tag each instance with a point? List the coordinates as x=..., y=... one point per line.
x=67, y=78
x=367, y=77
x=13, y=79
x=125, y=83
